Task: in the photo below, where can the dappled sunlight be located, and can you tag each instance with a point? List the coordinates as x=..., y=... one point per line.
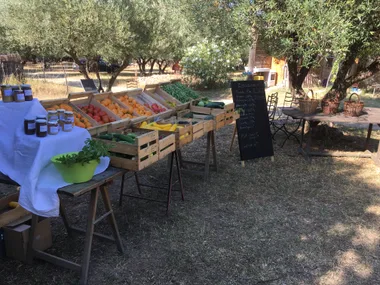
x=369, y=238
x=373, y=209
x=339, y=229
x=348, y=262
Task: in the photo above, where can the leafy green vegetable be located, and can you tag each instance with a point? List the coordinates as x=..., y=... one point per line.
x=181, y=92
x=92, y=150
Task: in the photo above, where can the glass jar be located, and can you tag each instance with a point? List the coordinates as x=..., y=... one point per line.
x=67, y=126
x=41, y=117
x=41, y=128
x=6, y=93
x=69, y=116
x=53, y=127
x=61, y=114
x=15, y=87
x=27, y=92
x=52, y=115
x=29, y=126
x=18, y=96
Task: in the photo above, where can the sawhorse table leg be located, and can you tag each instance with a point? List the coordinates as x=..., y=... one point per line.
x=91, y=222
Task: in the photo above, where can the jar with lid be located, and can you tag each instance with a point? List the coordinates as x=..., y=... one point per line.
x=41, y=128
x=61, y=114
x=53, y=128
x=15, y=87
x=52, y=115
x=27, y=92
x=18, y=96
x=41, y=117
x=6, y=93
x=67, y=126
x=29, y=126
x=69, y=116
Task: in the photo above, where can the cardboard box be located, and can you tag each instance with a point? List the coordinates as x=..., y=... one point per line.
x=16, y=238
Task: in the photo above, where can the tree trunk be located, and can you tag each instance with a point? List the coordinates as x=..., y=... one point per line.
x=142, y=62
x=152, y=62
x=296, y=78
x=115, y=74
x=82, y=67
x=252, y=51
x=165, y=66
x=339, y=88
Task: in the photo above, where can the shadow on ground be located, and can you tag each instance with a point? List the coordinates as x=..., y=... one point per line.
x=281, y=222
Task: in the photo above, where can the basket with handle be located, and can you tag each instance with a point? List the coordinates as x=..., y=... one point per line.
x=353, y=108
x=307, y=105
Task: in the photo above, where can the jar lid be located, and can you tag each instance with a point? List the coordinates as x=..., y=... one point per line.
x=40, y=121
x=5, y=86
x=60, y=110
x=25, y=86
x=53, y=122
x=69, y=113
x=29, y=118
x=52, y=112
x=15, y=87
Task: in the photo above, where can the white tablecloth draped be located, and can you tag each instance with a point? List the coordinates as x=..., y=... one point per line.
x=26, y=158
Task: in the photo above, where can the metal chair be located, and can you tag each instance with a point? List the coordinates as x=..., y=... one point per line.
x=287, y=125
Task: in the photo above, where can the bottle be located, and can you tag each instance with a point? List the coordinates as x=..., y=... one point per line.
x=6, y=93
x=27, y=92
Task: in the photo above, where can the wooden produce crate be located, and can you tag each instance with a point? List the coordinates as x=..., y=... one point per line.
x=218, y=114
x=55, y=104
x=83, y=99
x=183, y=136
x=109, y=95
x=166, y=144
x=198, y=126
x=136, y=156
x=164, y=98
x=144, y=99
x=132, y=93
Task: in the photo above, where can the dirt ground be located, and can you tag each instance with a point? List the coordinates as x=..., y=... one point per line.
x=282, y=222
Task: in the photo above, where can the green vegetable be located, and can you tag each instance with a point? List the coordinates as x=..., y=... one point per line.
x=180, y=92
x=201, y=104
x=92, y=150
x=126, y=138
x=216, y=105
x=106, y=137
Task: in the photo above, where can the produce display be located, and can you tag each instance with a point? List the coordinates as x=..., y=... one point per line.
x=116, y=109
x=181, y=92
x=79, y=120
x=160, y=127
x=97, y=114
x=129, y=138
x=204, y=102
x=136, y=107
x=152, y=106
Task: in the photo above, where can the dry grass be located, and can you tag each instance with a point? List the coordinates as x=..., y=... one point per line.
x=281, y=222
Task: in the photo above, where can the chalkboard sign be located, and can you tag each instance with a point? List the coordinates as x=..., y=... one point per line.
x=89, y=85
x=254, y=135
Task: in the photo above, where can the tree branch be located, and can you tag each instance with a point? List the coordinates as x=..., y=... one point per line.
x=365, y=73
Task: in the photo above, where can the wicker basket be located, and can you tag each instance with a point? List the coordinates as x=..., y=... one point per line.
x=353, y=108
x=307, y=105
x=330, y=107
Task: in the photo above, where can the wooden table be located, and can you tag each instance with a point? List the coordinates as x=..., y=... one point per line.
x=370, y=116
x=98, y=184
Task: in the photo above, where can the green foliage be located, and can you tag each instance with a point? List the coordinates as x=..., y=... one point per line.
x=92, y=150
x=181, y=92
x=210, y=61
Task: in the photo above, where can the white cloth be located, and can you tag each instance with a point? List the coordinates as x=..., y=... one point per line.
x=26, y=158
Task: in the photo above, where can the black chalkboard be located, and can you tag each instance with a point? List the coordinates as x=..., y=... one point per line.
x=255, y=139
x=88, y=85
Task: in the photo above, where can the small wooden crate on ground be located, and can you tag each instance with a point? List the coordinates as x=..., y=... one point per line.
x=137, y=156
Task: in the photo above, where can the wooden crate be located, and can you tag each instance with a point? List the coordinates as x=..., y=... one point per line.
x=198, y=126
x=166, y=144
x=183, y=136
x=159, y=93
x=85, y=99
x=218, y=114
x=50, y=103
x=140, y=155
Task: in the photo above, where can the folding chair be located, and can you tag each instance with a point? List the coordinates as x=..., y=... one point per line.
x=284, y=123
x=272, y=108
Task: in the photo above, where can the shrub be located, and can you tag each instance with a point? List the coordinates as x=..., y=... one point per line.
x=210, y=61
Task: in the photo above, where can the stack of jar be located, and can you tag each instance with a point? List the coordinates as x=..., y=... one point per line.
x=51, y=124
x=15, y=93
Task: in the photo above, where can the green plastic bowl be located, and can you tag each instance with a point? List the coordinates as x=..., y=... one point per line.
x=77, y=173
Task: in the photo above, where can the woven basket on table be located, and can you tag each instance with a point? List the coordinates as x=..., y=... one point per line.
x=307, y=105
x=353, y=108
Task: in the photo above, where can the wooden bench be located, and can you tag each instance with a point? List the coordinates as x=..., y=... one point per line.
x=98, y=184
